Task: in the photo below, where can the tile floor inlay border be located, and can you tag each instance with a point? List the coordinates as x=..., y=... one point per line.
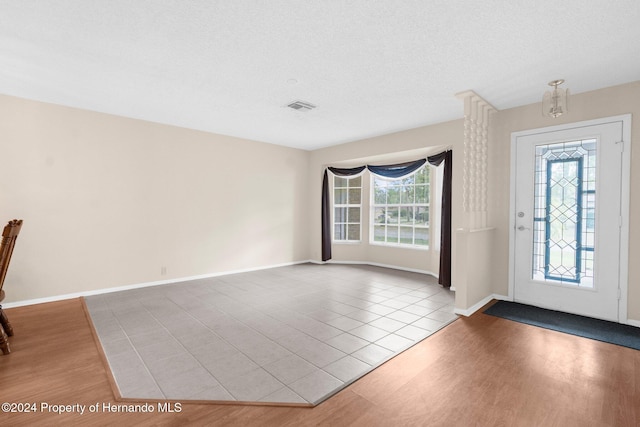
x=286, y=335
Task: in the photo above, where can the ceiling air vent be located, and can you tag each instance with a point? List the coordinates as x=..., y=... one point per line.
x=301, y=106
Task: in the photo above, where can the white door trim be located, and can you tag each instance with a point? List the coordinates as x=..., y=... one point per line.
x=625, y=119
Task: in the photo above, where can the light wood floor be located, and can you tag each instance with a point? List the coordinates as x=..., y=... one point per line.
x=478, y=371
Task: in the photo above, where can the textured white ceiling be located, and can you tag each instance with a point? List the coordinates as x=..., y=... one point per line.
x=371, y=66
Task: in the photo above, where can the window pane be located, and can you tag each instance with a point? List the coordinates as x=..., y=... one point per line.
x=422, y=215
x=339, y=182
x=410, y=180
x=354, y=196
x=393, y=195
x=588, y=210
x=380, y=195
x=422, y=236
x=422, y=176
x=380, y=215
x=406, y=235
x=378, y=233
x=392, y=215
x=340, y=215
x=339, y=232
x=407, y=194
x=406, y=215
x=354, y=215
x=354, y=231
x=355, y=182
x=590, y=172
x=392, y=234
x=340, y=196
x=422, y=194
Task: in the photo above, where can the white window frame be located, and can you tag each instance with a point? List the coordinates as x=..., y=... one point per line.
x=428, y=205
x=348, y=206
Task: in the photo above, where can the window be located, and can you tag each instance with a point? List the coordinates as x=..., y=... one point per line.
x=400, y=209
x=564, y=203
x=347, y=196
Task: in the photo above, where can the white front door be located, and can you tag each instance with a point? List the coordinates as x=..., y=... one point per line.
x=567, y=218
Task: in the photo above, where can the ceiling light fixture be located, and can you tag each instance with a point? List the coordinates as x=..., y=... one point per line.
x=554, y=103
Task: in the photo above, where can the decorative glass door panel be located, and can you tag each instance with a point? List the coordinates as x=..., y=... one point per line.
x=564, y=213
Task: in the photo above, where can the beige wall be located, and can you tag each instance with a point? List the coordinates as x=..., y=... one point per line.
x=108, y=201
x=473, y=284
x=585, y=106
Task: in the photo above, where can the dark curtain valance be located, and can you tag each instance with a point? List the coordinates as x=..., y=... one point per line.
x=388, y=171
x=347, y=172
x=397, y=171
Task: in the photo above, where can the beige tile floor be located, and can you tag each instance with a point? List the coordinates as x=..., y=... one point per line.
x=294, y=334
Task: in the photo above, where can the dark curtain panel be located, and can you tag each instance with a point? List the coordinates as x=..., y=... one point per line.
x=326, y=207
x=396, y=171
x=326, y=219
x=445, y=235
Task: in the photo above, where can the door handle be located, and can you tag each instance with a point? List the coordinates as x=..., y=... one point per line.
x=522, y=228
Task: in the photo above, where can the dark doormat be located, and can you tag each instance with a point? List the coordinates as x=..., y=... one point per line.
x=601, y=330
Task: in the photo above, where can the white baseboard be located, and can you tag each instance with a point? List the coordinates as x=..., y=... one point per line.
x=189, y=278
x=377, y=264
x=141, y=285
x=477, y=306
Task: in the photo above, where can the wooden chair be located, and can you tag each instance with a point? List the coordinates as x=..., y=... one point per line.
x=9, y=236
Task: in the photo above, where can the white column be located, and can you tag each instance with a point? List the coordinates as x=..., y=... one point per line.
x=477, y=113
x=471, y=273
